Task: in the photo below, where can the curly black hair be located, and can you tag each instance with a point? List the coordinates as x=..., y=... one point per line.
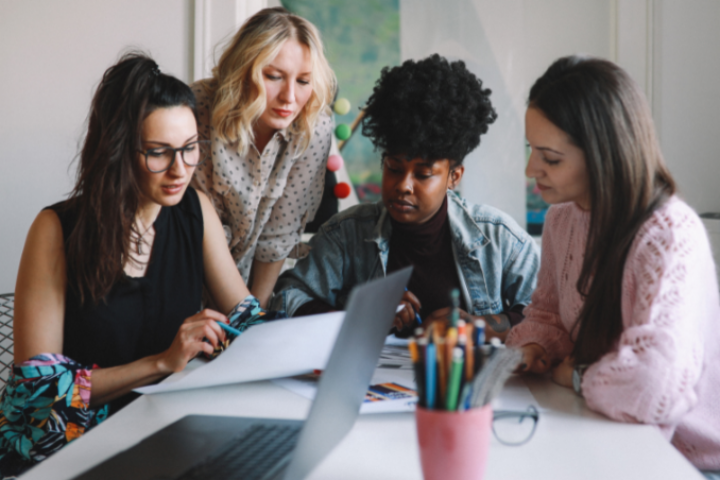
x=432, y=109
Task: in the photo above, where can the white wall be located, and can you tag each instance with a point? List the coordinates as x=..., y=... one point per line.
x=488, y=36
x=556, y=28
x=52, y=55
x=671, y=49
x=215, y=22
x=686, y=96
x=507, y=45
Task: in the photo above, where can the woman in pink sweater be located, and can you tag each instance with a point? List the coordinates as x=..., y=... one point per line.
x=626, y=309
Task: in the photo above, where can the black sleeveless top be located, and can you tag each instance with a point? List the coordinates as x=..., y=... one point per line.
x=140, y=316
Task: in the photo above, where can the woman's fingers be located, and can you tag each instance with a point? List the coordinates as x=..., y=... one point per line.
x=212, y=331
x=535, y=359
x=414, y=302
x=408, y=315
x=527, y=359
x=190, y=339
x=209, y=318
x=192, y=335
x=404, y=317
x=206, y=348
x=541, y=364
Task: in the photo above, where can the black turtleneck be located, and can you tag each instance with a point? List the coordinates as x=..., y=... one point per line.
x=428, y=247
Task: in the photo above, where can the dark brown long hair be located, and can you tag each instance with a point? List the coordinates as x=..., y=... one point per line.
x=606, y=115
x=106, y=194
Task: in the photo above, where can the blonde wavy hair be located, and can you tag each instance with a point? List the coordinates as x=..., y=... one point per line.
x=240, y=97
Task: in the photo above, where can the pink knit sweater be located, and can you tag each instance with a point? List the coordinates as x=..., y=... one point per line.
x=665, y=369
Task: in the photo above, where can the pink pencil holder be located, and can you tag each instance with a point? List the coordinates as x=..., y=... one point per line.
x=454, y=445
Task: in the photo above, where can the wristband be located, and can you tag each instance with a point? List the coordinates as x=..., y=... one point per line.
x=577, y=377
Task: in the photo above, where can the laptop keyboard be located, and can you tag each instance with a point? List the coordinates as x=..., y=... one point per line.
x=259, y=452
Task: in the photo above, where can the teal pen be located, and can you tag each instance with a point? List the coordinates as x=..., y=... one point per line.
x=456, y=372
x=455, y=300
x=228, y=328
x=430, y=373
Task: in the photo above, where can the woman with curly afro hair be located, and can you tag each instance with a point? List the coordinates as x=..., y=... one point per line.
x=431, y=109
x=425, y=117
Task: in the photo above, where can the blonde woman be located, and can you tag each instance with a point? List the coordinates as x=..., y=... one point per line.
x=265, y=112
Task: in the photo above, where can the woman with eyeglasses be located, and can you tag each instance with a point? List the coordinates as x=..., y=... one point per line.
x=265, y=113
x=626, y=309
x=109, y=288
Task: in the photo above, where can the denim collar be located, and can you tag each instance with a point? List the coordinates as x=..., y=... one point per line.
x=382, y=230
x=465, y=232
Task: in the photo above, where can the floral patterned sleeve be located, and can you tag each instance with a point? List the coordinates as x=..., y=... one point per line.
x=243, y=316
x=45, y=406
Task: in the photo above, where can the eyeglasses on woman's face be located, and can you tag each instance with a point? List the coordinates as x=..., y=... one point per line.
x=160, y=159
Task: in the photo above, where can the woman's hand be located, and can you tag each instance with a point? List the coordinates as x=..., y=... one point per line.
x=406, y=316
x=189, y=340
x=535, y=359
x=498, y=326
x=563, y=373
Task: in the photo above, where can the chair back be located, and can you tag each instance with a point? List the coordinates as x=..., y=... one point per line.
x=7, y=311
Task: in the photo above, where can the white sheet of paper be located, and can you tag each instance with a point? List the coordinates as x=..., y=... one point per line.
x=403, y=377
x=281, y=348
x=395, y=341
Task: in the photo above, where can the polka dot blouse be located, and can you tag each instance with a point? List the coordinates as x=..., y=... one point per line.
x=264, y=199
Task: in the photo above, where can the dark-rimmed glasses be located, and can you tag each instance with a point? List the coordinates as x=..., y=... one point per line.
x=160, y=159
x=515, y=428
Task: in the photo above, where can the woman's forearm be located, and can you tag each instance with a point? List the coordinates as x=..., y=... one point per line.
x=111, y=383
x=263, y=277
x=197, y=334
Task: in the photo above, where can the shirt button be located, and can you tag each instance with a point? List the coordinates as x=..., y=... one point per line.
x=256, y=183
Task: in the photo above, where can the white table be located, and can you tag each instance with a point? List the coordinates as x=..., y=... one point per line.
x=571, y=442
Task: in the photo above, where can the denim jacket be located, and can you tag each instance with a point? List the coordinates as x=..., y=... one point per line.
x=497, y=261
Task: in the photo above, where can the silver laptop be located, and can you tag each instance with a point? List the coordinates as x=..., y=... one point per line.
x=220, y=447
